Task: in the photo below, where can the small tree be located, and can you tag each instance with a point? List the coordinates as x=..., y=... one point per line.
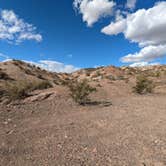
x=80, y=91
x=143, y=85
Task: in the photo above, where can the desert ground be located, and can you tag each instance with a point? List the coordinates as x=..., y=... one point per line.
x=49, y=129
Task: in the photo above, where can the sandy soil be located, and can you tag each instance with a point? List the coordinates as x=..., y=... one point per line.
x=56, y=131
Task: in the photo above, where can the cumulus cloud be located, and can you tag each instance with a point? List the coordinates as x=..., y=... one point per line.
x=54, y=66
x=141, y=64
x=131, y=4
x=148, y=53
x=145, y=27
x=15, y=30
x=93, y=10
x=115, y=27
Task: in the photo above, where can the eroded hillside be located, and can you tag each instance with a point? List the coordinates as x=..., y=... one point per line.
x=48, y=128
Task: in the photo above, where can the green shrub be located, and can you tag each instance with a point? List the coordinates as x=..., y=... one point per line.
x=80, y=91
x=143, y=85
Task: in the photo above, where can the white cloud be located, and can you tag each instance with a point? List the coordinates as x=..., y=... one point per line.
x=54, y=66
x=145, y=27
x=115, y=27
x=131, y=4
x=15, y=30
x=141, y=64
x=148, y=53
x=93, y=10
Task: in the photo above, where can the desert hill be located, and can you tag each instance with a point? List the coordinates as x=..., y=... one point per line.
x=46, y=127
x=18, y=70
x=16, y=75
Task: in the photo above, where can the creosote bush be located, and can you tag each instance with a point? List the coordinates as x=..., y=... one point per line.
x=143, y=85
x=80, y=91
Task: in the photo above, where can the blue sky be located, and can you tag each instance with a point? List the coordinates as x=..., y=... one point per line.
x=63, y=36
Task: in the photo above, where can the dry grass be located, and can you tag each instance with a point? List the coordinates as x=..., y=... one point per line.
x=20, y=90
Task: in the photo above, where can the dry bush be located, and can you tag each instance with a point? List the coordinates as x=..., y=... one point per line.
x=14, y=91
x=80, y=91
x=120, y=77
x=41, y=85
x=28, y=72
x=110, y=77
x=40, y=77
x=21, y=89
x=143, y=85
x=3, y=75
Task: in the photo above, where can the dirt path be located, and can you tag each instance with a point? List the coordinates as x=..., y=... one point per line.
x=131, y=132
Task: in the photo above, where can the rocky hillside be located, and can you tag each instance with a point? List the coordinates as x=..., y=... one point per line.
x=119, y=73
x=18, y=78
x=17, y=70
x=47, y=127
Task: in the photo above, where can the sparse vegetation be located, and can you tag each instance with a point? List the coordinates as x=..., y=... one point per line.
x=21, y=89
x=143, y=85
x=41, y=85
x=14, y=91
x=98, y=73
x=3, y=75
x=120, y=77
x=27, y=71
x=80, y=91
x=40, y=77
x=110, y=77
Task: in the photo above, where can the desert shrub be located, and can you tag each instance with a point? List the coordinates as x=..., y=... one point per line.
x=38, y=68
x=40, y=77
x=80, y=91
x=157, y=74
x=28, y=72
x=66, y=82
x=3, y=75
x=21, y=89
x=120, y=77
x=41, y=85
x=98, y=73
x=14, y=91
x=18, y=63
x=143, y=85
x=110, y=77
